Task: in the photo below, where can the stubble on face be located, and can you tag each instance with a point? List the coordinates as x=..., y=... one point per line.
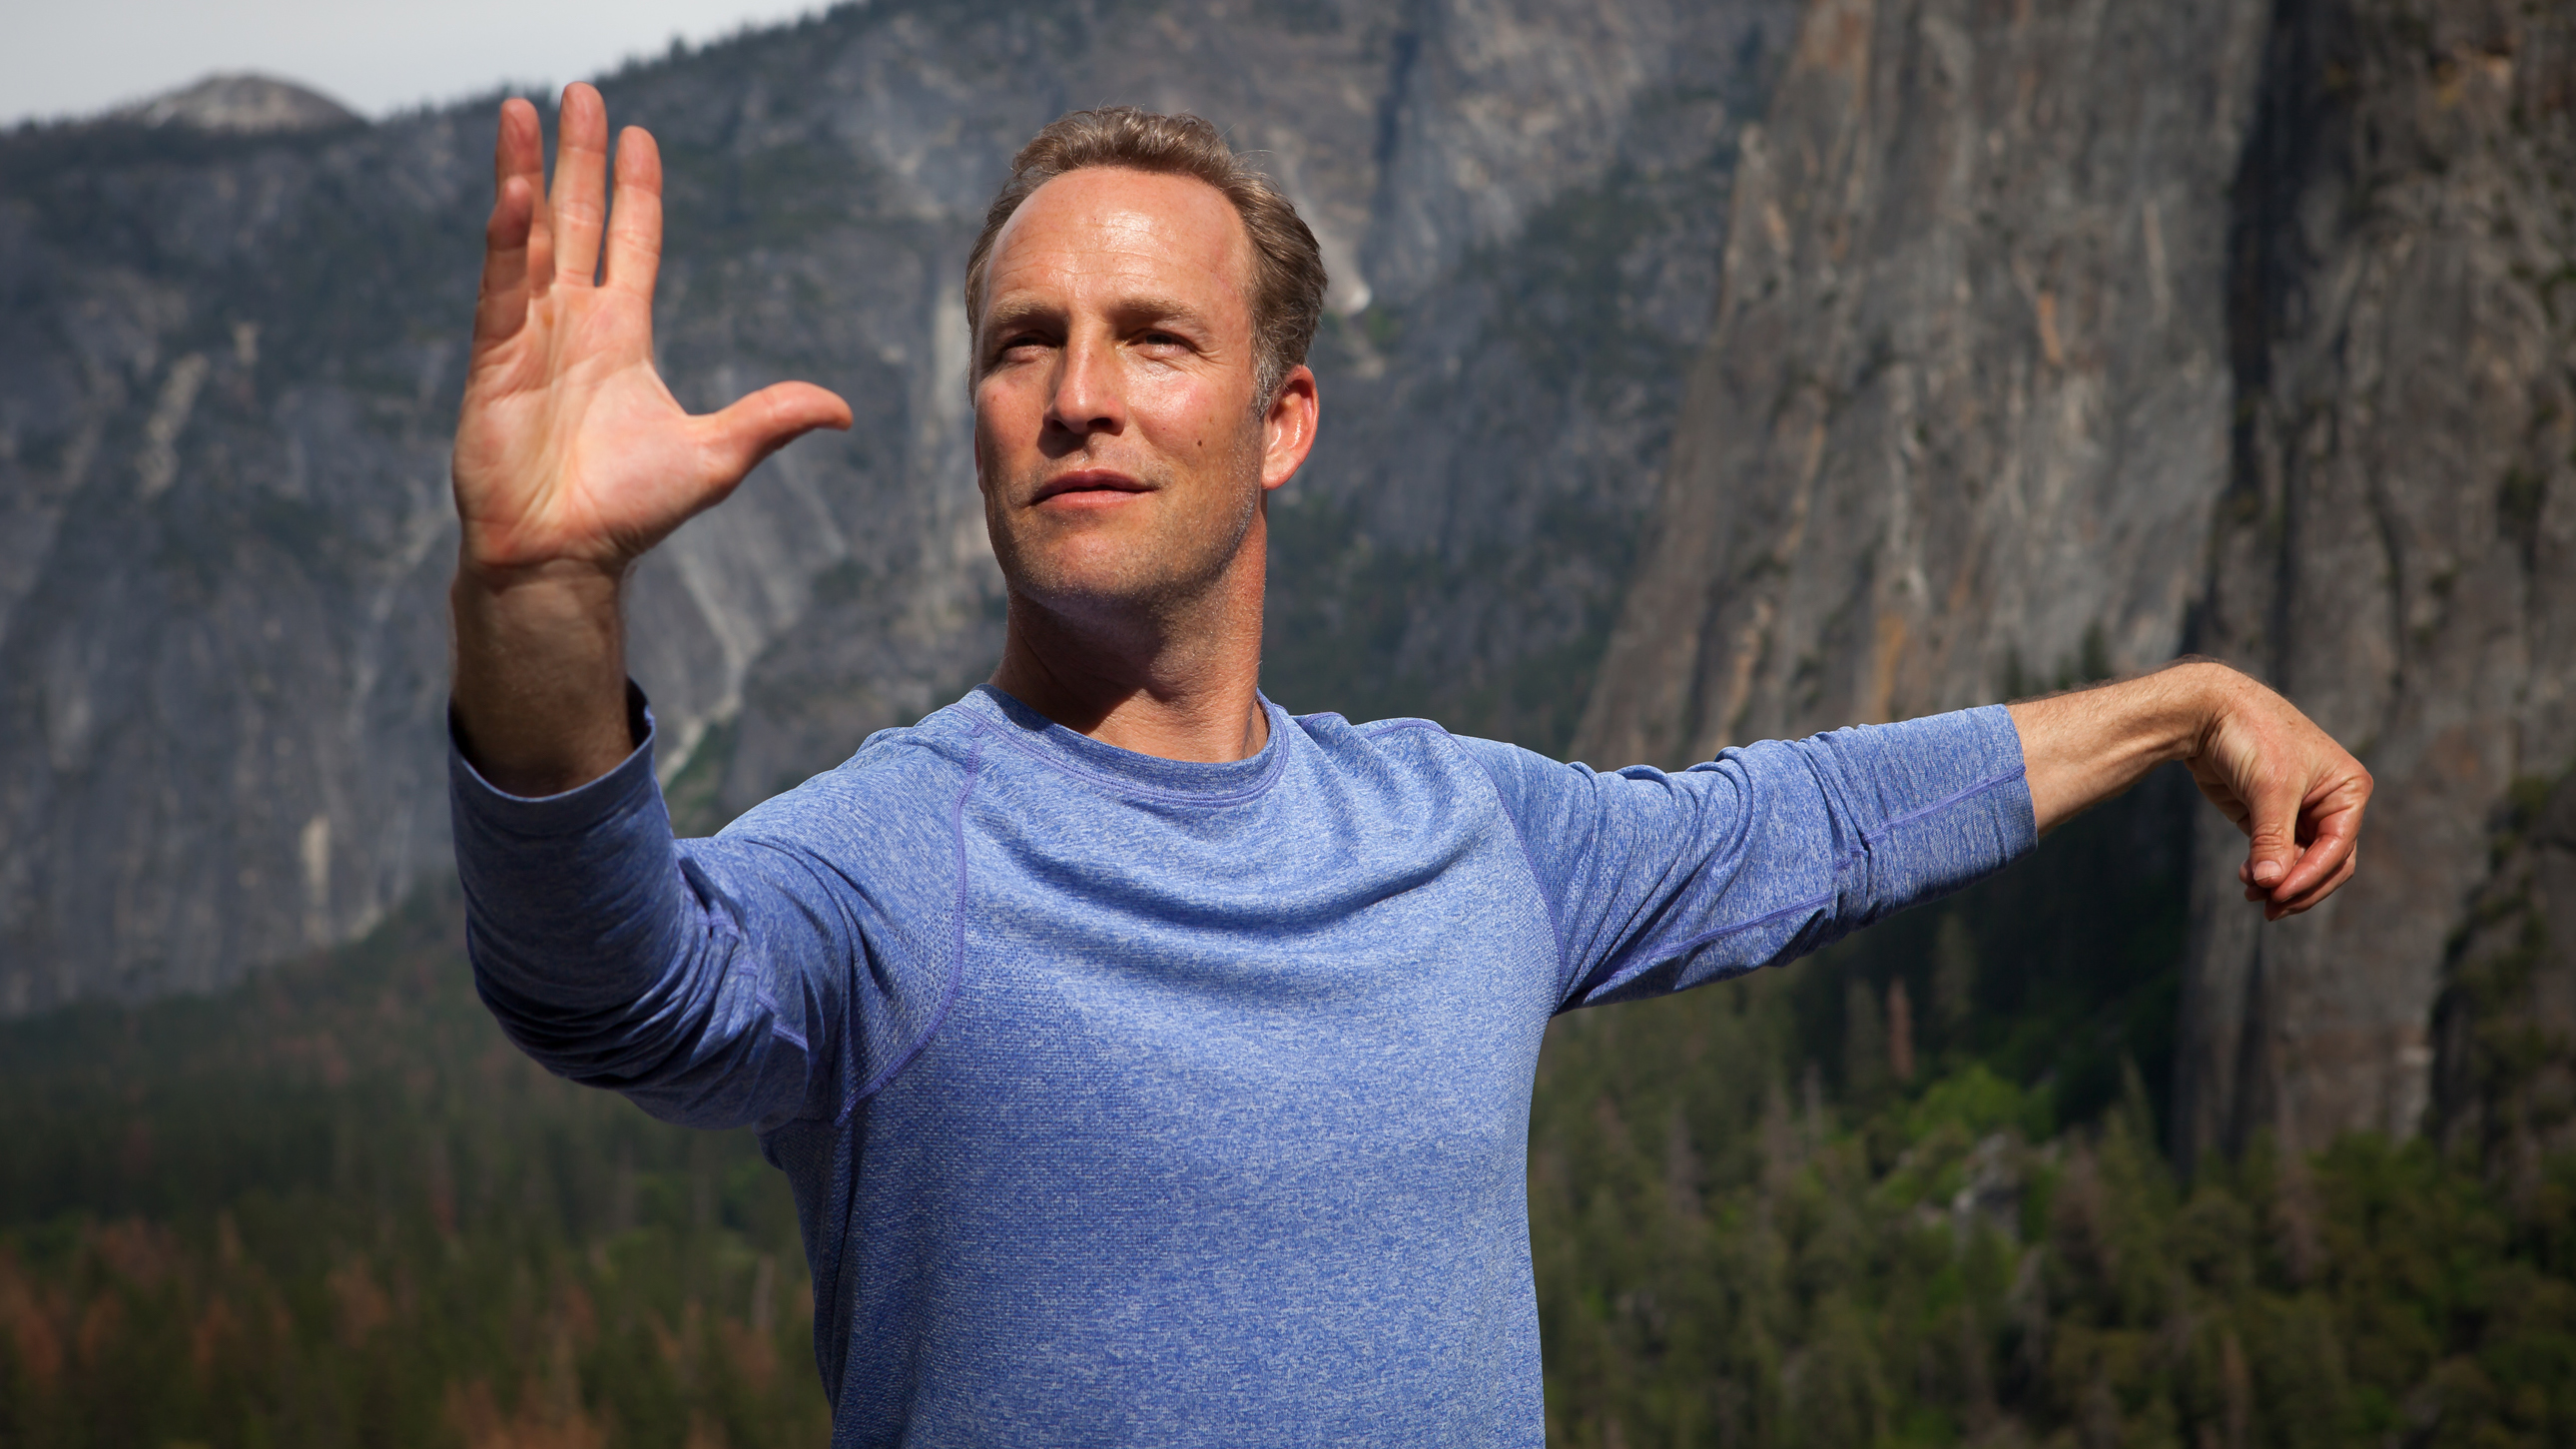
x=1154, y=568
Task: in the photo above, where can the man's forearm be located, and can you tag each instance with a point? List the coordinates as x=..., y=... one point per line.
x=571, y=457
x=539, y=691
x=2084, y=747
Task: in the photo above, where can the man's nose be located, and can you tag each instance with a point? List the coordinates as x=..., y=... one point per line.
x=1087, y=398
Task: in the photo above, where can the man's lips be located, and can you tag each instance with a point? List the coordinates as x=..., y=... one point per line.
x=1090, y=486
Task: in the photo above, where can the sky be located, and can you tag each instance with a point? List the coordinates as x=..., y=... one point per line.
x=75, y=57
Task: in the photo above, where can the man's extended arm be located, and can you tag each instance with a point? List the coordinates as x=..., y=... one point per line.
x=711, y=985
x=2296, y=794
x=1659, y=881
x=572, y=458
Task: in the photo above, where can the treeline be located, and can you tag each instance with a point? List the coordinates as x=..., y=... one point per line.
x=1726, y=1260
x=1915, y=1192
x=334, y=1207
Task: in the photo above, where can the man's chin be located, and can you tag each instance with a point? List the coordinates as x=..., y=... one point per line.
x=1092, y=593
x=1116, y=564
x=1106, y=586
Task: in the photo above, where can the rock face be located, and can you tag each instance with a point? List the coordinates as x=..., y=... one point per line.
x=245, y=105
x=1964, y=410
x=2396, y=546
x=2050, y=345
x=224, y=530
x=2505, y=1030
x=2042, y=343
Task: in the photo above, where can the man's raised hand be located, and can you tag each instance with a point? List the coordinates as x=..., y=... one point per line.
x=572, y=459
x=569, y=448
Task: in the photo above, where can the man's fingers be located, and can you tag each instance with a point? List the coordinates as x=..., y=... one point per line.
x=580, y=204
x=2271, y=827
x=520, y=147
x=768, y=420
x=2336, y=833
x=519, y=153
x=635, y=225
x=515, y=229
x=501, y=304
x=2275, y=910
x=2306, y=887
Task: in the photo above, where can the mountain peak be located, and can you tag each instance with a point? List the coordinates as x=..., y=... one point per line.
x=242, y=104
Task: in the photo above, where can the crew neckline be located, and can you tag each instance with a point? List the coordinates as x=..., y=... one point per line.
x=1133, y=772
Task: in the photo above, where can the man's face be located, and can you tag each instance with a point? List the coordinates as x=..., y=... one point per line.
x=1116, y=441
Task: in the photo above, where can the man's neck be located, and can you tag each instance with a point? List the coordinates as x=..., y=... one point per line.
x=1181, y=688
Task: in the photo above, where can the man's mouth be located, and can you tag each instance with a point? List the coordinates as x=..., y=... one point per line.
x=1089, y=486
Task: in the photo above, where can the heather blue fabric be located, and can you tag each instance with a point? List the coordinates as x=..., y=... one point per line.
x=1139, y=1102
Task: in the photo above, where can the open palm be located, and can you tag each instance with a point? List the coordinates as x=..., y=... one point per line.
x=569, y=449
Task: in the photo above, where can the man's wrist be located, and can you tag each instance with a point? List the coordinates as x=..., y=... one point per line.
x=2205, y=691
x=498, y=576
x=2086, y=745
x=539, y=697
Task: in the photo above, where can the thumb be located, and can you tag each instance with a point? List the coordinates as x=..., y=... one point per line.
x=2272, y=823
x=768, y=420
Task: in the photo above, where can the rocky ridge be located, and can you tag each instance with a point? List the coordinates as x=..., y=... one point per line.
x=224, y=532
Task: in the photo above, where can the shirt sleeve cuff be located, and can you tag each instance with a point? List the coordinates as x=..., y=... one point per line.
x=571, y=812
x=1943, y=801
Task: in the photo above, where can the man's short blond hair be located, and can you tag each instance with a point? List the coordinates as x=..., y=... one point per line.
x=1288, y=268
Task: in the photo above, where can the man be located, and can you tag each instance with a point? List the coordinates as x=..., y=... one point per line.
x=1151, y=1067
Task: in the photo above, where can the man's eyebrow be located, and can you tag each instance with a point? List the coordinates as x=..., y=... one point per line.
x=1163, y=309
x=1013, y=311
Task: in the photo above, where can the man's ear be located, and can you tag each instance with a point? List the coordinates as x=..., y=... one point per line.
x=1288, y=428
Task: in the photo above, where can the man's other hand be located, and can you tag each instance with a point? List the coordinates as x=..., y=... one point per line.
x=2296, y=794
x=572, y=458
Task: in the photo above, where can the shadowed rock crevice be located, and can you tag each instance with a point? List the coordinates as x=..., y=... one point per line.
x=2392, y=549
x=2504, y=1088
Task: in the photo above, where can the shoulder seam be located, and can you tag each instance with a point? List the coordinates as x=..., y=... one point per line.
x=1529, y=857
x=957, y=947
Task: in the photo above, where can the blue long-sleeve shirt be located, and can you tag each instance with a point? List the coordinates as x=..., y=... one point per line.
x=1141, y=1102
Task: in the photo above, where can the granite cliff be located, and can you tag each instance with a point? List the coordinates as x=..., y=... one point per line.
x=2056, y=341
x=2393, y=546
x=237, y=320
x=1694, y=373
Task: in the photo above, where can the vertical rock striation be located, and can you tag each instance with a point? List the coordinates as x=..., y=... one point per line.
x=1964, y=407
x=2396, y=546
x=2053, y=343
